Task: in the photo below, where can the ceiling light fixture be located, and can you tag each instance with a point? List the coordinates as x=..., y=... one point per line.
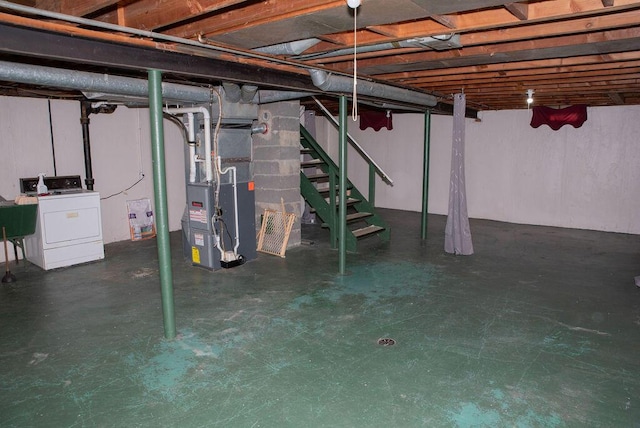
x=530, y=93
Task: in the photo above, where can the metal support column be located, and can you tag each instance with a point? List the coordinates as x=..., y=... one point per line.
x=333, y=230
x=342, y=199
x=372, y=184
x=425, y=174
x=160, y=194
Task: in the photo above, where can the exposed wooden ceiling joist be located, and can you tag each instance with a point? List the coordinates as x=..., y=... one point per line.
x=573, y=50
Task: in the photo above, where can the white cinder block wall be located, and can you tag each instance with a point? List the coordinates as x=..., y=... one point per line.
x=586, y=178
x=120, y=148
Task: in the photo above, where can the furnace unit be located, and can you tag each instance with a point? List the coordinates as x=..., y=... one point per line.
x=218, y=225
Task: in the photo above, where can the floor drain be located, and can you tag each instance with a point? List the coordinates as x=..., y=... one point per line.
x=386, y=341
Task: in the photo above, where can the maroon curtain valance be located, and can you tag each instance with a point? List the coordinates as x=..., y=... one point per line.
x=557, y=118
x=376, y=119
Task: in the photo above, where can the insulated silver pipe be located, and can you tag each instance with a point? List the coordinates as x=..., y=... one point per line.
x=232, y=92
x=341, y=84
x=125, y=86
x=438, y=43
x=93, y=82
x=289, y=48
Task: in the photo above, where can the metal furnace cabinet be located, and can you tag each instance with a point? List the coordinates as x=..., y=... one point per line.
x=68, y=230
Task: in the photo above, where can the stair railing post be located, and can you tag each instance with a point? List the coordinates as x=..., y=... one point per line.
x=342, y=203
x=372, y=184
x=333, y=229
x=425, y=174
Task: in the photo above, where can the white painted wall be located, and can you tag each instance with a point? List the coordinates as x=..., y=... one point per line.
x=120, y=147
x=586, y=178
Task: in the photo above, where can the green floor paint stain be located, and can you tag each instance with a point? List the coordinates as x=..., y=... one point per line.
x=383, y=280
x=532, y=419
x=498, y=394
x=471, y=416
x=374, y=282
x=560, y=343
x=298, y=302
x=180, y=365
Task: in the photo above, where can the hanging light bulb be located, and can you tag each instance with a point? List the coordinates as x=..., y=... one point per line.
x=529, y=96
x=353, y=3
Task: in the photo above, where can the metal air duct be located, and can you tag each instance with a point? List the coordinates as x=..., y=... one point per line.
x=342, y=84
x=104, y=83
x=104, y=86
x=289, y=48
x=438, y=43
x=231, y=92
x=248, y=93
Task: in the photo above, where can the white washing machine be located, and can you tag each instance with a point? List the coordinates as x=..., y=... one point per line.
x=68, y=230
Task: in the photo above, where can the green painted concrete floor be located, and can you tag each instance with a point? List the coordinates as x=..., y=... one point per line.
x=540, y=328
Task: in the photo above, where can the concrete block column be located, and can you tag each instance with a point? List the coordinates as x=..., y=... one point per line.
x=276, y=163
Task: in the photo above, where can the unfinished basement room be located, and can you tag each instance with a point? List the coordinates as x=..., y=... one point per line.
x=320, y=213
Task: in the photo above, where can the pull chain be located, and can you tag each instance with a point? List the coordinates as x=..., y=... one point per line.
x=354, y=105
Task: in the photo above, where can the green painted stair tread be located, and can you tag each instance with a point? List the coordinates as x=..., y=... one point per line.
x=312, y=162
x=358, y=216
x=325, y=190
x=367, y=231
x=320, y=177
x=350, y=201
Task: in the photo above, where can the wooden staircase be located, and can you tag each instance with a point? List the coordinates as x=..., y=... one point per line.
x=319, y=176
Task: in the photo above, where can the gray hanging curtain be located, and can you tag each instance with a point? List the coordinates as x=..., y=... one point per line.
x=457, y=235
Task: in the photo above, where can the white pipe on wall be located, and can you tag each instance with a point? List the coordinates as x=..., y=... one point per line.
x=192, y=148
x=232, y=169
x=207, y=135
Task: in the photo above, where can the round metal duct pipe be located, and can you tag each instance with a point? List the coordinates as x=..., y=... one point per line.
x=232, y=92
x=289, y=48
x=93, y=82
x=342, y=84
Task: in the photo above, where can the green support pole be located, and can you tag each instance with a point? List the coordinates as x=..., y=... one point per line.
x=372, y=185
x=160, y=194
x=425, y=174
x=342, y=201
x=333, y=230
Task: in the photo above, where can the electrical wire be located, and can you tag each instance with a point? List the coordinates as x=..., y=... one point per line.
x=53, y=145
x=223, y=229
x=216, y=152
x=175, y=119
x=122, y=191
